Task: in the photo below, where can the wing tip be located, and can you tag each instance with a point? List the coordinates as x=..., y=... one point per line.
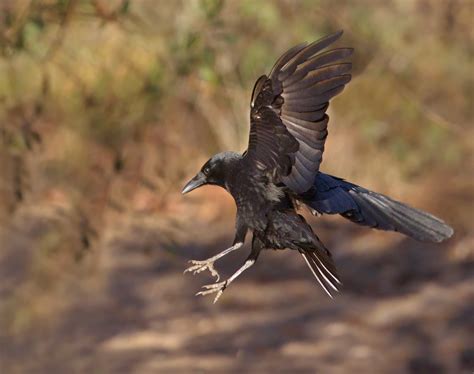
x=444, y=232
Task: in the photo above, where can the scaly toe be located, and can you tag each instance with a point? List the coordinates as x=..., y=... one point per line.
x=196, y=266
x=218, y=295
x=214, y=273
x=211, y=288
x=200, y=266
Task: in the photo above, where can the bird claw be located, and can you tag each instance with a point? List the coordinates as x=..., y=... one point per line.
x=211, y=288
x=199, y=266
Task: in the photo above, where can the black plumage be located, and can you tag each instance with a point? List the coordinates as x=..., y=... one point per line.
x=280, y=169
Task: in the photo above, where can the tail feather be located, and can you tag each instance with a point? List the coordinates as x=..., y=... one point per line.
x=332, y=195
x=319, y=266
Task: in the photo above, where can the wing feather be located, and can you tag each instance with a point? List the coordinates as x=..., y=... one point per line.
x=312, y=65
x=319, y=126
x=317, y=89
x=288, y=111
x=315, y=47
x=318, y=75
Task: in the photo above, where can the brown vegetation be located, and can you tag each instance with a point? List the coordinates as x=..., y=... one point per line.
x=106, y=107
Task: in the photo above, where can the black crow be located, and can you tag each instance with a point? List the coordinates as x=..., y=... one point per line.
x=280, y=169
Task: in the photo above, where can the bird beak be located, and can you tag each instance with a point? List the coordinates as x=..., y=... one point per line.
x=194, y=183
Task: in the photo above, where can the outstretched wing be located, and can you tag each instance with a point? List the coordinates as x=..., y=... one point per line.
x=288, y=120
x=332, y=195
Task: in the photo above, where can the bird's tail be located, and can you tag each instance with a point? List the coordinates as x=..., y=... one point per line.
x=332, y=195
x=323, y=270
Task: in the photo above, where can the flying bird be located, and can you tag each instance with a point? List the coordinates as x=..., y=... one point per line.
x=279, y=172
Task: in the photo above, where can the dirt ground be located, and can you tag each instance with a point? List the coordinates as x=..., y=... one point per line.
x=405, y=307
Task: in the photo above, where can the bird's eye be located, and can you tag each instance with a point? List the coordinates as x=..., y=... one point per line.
x=206, y=171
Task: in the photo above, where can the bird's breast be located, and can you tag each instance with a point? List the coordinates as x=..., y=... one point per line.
x=255, y=199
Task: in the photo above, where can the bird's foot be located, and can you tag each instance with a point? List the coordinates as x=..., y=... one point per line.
x=211, y=288
x=199, y=266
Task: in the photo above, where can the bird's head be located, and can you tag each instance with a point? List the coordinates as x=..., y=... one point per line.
x=214, y=171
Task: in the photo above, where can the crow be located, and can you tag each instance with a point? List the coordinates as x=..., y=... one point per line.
x=279, y=172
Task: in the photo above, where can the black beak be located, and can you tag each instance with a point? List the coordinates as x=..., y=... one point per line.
x=194, y=183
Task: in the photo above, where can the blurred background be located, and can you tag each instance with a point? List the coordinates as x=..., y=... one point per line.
x=108, y=107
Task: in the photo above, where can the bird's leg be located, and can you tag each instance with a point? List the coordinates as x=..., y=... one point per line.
x=198, y=266
x=221, y=286
x=239, y=239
